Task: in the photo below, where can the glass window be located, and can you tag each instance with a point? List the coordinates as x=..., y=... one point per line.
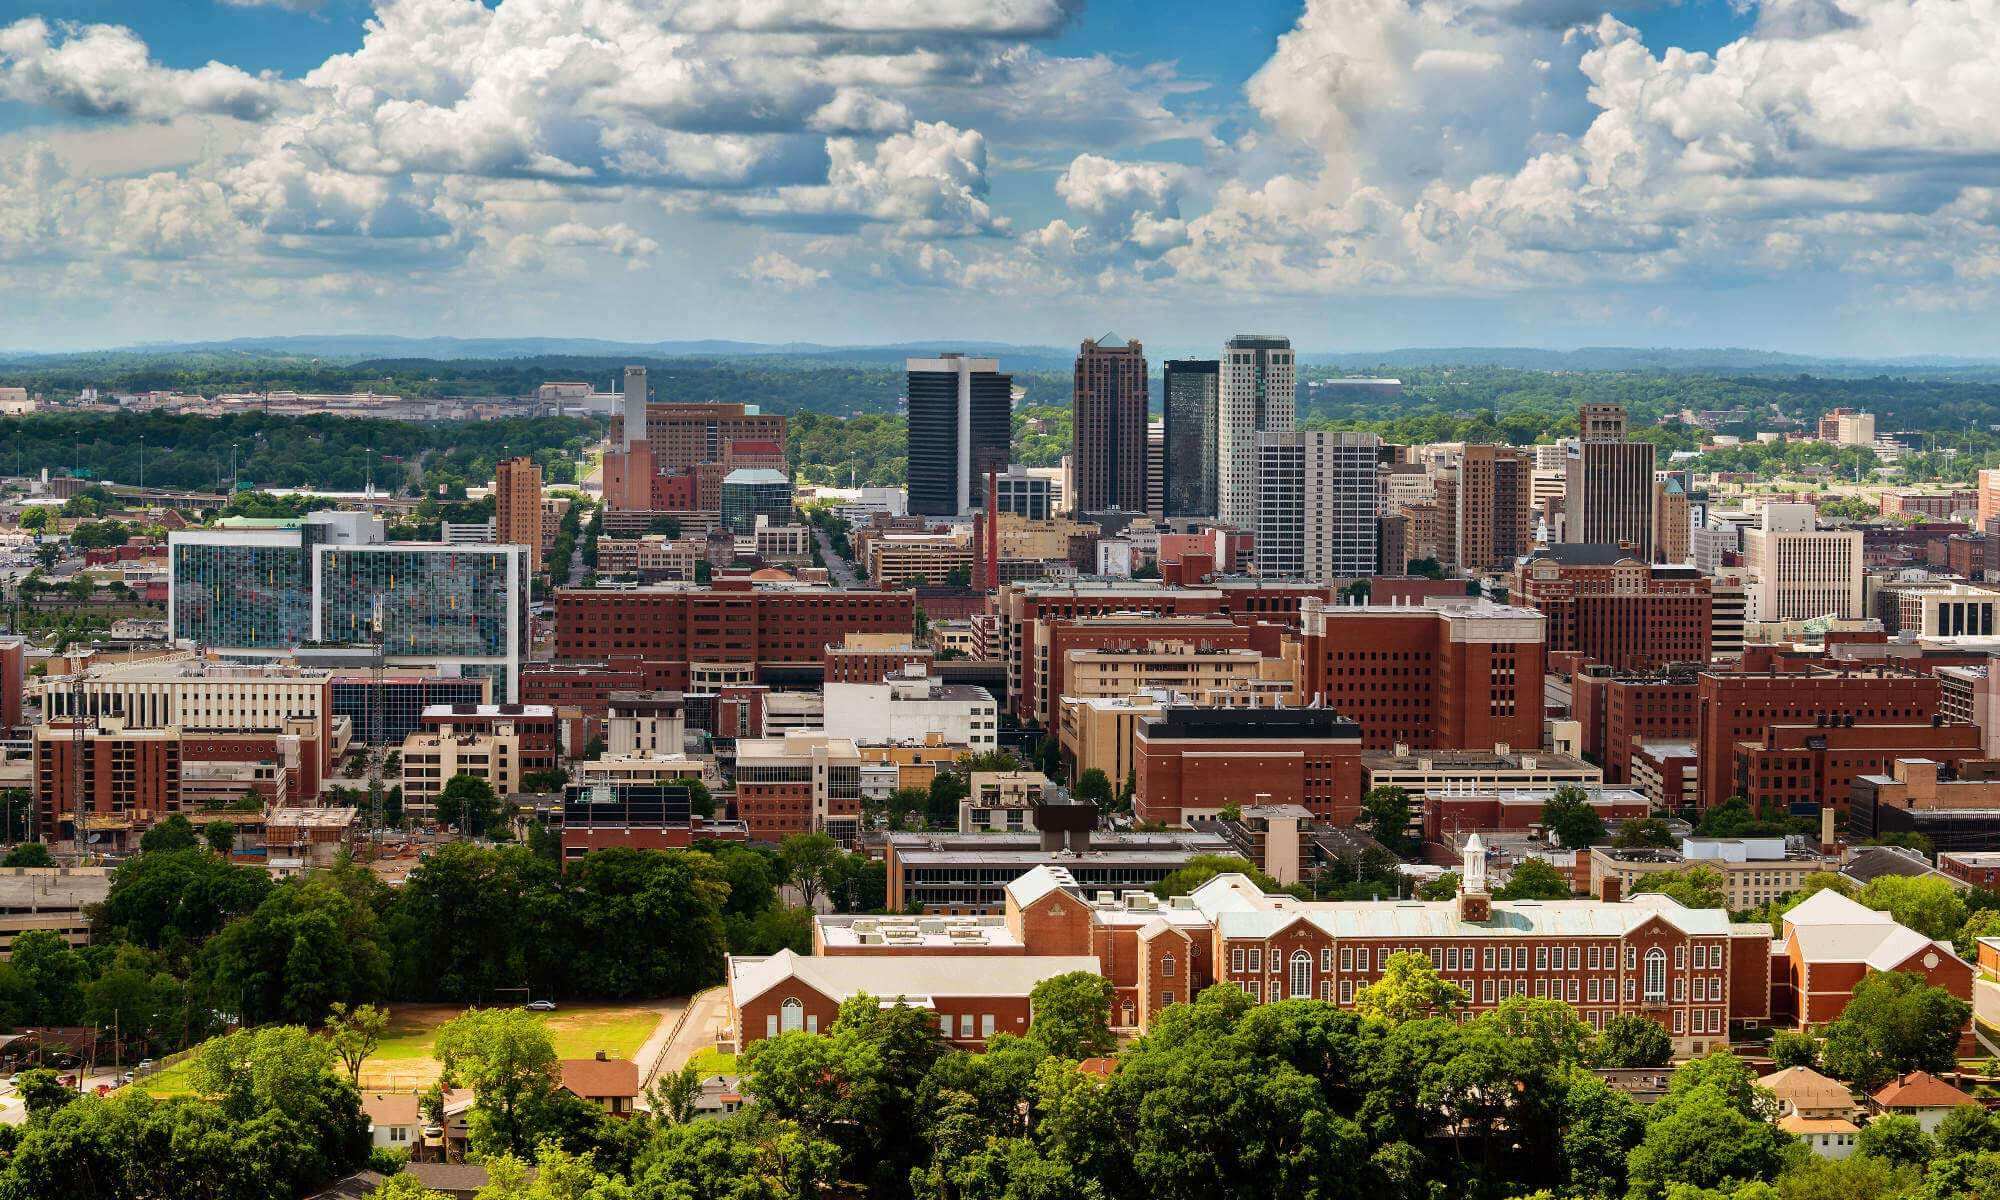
x=1656, y=974
x=1301, y=975
x=793, y=1015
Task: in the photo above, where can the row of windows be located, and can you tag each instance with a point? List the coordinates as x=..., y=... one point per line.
x=1706, y=956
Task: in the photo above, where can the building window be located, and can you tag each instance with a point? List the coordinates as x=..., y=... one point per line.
x=792, y=1015
x=1486, y=958
x=1656, y=974
x=1347, y=958
x=1542, y=958
x=1346, y=991
x=1255, y=991
x=1166, y=966
x=1236, y=960
x=1302, y=968
x=986, y=1023
x=1326, y=961
x=1256, y=959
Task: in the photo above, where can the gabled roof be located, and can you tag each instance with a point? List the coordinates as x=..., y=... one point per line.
x=1806, y=1089
x=914, y=976
x=599, y=1078
x=1799, y=1126
x=1510, y=918
x=1828, y=907
x=1920, y=1089
x=1159, y=926
x=389, y=1108
x=1032, y=886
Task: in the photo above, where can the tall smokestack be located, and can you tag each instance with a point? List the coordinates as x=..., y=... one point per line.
x=992, y=531
x=635, y=406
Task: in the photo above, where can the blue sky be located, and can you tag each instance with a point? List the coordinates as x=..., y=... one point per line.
x=1808, y=175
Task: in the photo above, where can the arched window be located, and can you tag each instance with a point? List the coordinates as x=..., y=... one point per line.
x=1656, y=974
x=791, y=1015
x=1302, y=975
x=1166, y=966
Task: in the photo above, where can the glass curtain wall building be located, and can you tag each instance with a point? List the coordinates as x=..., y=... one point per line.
x=267, y=592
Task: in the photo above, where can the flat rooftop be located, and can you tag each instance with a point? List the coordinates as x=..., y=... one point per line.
x=931, y=933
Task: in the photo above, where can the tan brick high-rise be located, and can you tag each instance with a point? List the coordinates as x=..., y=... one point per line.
x=517, y=507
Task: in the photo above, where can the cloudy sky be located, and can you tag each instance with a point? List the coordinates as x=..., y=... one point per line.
x=1810, y=175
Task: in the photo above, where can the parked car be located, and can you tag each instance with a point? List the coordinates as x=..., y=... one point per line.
x=540, y=1006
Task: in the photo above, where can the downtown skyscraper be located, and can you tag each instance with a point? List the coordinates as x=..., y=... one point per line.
x=1319, y=505
x=1187, y=465
x=1608, y=484
x=1109, y=426
x=960, y=428
x=1257, y=394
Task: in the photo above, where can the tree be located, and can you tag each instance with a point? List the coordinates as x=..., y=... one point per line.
x=1201, y=868
x=175, y=832
x=1570, y=818
x=1693, y=887
x=404, y=1187
x=1385, y=813
x=672, y=1097
x=507, y=1058
x=1409, y=990
x=220, y=836
x=467, y=804
x=42, y=1093
x=1894, y=1023
x=1072, y=1015
x=1925, y=903
x=1983, y=924
x=1630, y=1040
x=1094, y=787
x=355, y=1033
x=1444, y=887
x=35, y=519
x=806, y=858
x=1534, y=879
x=1794, y=1048
x=29, y=854
x=1711, y=1131
x=1896, y=1139
x=700, y=802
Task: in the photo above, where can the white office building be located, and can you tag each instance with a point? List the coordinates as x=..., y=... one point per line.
x=1319, y=503
x=1259, y=394
x=1799, y=571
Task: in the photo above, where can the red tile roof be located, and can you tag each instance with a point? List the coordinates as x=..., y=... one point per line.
x=1920, y=1089
x=599, y=1078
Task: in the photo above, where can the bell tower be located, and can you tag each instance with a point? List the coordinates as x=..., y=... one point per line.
x=1474, y=902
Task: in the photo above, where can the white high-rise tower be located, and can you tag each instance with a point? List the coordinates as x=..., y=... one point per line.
x=1258, y=394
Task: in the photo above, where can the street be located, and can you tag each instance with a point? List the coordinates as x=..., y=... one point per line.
x=839, y=568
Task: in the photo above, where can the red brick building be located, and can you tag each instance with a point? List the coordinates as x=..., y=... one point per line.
x=1618, y=712
x=1830, y=943
x=787, y=992
x=1023, y=608
x=13, y=680
x=1814, y=765
x=691, y=638
x=1198, y=761
x=1738, y=707
x=1449, y=817
x=1618, y=610
x=1445, y=677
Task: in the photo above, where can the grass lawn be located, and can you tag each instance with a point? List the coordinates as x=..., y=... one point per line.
x=171, y=1082
x=714, y=1062
x=404, y=1062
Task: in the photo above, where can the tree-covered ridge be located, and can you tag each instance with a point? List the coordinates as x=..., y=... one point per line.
x=328, y=452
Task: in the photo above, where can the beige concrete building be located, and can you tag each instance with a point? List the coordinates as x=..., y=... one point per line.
x=1098, y=732
x=653, y=555
x=1754, y=870
x=195, y=695
x=1175, y=666
x=430, y=760
x=1001, y=801
x=1425, y=772
x=53, y=898
x=638, y=768
x=1798, y=571
x=907, y=559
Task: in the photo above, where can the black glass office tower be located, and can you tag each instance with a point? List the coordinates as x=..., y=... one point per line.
x=960, y=427
x=1189, y=461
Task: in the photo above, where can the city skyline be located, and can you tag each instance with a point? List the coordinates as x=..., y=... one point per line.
x=1788, y=176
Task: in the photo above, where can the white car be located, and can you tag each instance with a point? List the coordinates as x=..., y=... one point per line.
x=540, y=1006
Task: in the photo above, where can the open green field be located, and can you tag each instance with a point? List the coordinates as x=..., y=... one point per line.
x=404, y=1062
